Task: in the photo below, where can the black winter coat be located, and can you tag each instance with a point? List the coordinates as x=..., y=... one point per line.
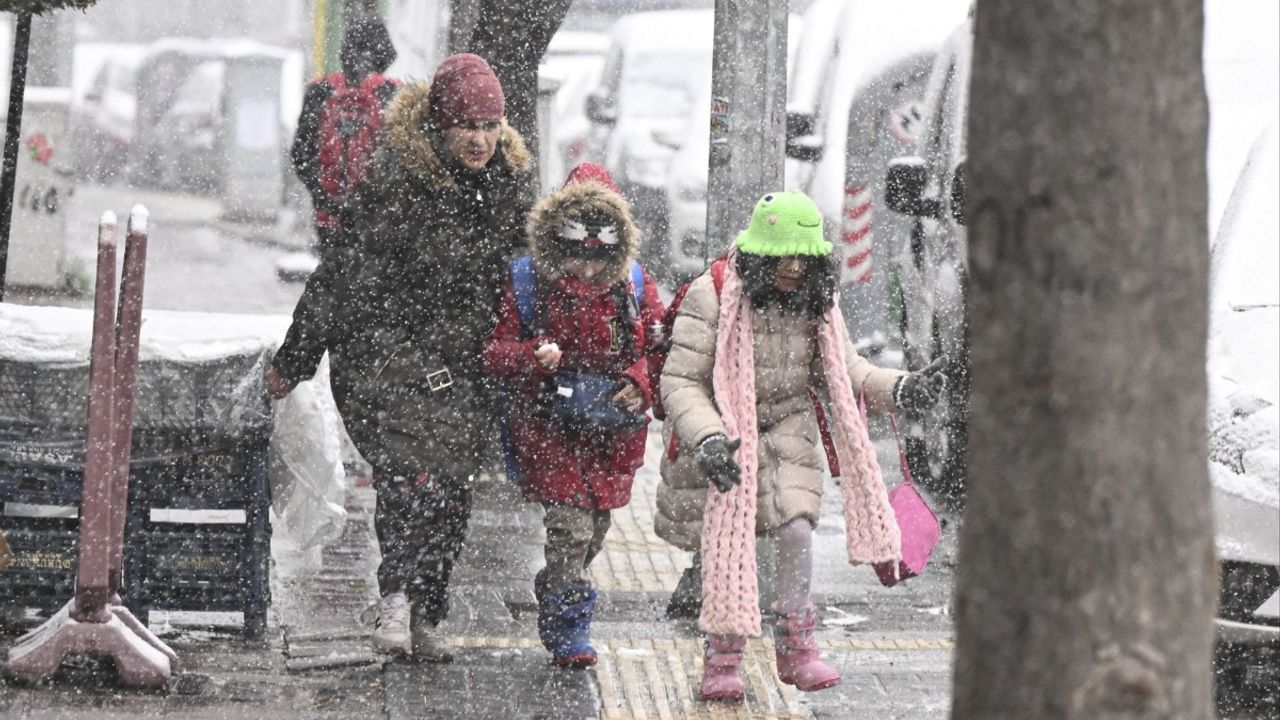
x=435, y=241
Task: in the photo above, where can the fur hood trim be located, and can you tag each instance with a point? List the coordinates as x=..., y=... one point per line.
x=574, y=199
x=405, y=117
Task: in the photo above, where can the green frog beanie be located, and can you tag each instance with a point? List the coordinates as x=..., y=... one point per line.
x=784, y=223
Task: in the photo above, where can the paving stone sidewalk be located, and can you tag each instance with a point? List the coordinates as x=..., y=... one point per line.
x=893, y=646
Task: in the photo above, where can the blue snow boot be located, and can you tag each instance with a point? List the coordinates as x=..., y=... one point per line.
x=548, y=624
x=564, y=626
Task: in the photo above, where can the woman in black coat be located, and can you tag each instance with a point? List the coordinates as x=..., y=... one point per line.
x=437, y=224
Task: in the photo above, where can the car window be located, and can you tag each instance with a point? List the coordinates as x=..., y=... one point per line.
x=201, y=93
x=658, y=85
x=122, y=77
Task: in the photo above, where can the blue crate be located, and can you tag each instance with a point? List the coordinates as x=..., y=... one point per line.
x=178, y=566
x=229, y=476
x=40, y=485
x=42, y=575
x=210, y=567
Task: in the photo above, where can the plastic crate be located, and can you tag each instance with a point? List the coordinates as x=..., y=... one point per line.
x=42, y=575
x=43, y=394
x=219, y=396
x=231, y=475
x=37, y=485
x=179, y=566
x=200, y=567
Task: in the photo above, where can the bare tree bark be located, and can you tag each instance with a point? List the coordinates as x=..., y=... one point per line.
x=513, y=36
x=1086, y=587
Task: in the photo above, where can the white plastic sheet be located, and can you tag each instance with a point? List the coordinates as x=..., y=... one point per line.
x=308, y=482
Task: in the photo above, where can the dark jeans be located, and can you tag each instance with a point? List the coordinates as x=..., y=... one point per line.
x=421, y=524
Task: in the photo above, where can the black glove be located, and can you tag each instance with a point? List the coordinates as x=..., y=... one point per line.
x=715, y=459
x=921, y=390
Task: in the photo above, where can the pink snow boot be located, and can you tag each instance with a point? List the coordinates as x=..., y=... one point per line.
x=797, y=651
x=720, y=679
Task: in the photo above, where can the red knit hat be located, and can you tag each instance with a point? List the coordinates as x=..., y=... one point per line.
x=464, y=88
x=592, y=171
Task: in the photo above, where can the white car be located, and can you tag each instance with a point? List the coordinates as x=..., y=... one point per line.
x=1244, y=419
x=103, y=107
x=657, y=66
x=574, y=60
x=865, y=113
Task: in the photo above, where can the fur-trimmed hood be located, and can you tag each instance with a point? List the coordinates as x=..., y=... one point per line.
x=405, y=118
x=587, y=197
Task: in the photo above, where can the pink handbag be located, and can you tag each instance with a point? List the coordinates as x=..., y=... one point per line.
x=919, y=525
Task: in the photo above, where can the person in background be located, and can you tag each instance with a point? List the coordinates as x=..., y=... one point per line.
x=338, y=131
x=436, y=224
x=746, y=351
x=581, y=311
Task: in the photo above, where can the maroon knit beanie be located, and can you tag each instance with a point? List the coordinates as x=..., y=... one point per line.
x=464, y=88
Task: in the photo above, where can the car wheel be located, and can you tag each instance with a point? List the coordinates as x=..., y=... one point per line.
x=937, y=442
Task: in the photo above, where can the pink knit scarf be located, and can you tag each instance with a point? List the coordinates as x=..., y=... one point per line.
x=730, y=595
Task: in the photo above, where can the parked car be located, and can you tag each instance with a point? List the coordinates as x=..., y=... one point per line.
x=178, y=110
x=809, y=78
x=190, y=136
x=103, y=108
x=866, y=113
x=1244, y=421
x=657, y=65
x=1241, y=40
x=574, y=59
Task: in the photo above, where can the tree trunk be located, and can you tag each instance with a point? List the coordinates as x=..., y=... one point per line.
x=513, y=36
x=1086, y=587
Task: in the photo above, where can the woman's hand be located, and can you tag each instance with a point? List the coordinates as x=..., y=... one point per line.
x=629, y=396
x=277, y=386
x=548, y=356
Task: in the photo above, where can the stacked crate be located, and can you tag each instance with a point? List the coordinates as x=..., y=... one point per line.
x=39, y=519
x=199, y=451
x=199, y=536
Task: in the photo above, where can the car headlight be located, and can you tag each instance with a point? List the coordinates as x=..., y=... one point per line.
x=648, y=171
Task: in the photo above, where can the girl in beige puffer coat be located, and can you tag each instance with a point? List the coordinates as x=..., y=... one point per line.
x=736, y=391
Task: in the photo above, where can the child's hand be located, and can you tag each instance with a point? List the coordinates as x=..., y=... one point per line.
x=629, y=396
x=715, y=458
x=547, y=355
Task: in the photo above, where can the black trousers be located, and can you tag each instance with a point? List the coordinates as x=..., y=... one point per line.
x=421, y=523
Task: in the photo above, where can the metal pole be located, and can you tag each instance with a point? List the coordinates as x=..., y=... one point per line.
x=748, y=133
x=12, y=132
x=748, y=114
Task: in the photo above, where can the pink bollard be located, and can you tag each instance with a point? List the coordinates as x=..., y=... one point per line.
x=92, y=569
x=94, y=623
x=128, y=330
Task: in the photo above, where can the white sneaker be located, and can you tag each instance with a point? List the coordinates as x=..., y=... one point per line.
x=391, y=631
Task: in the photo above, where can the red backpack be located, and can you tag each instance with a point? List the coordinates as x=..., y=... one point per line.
x=657, y=357
x=349, y=124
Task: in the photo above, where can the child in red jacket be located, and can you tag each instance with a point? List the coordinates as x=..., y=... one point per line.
x=570, y=343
